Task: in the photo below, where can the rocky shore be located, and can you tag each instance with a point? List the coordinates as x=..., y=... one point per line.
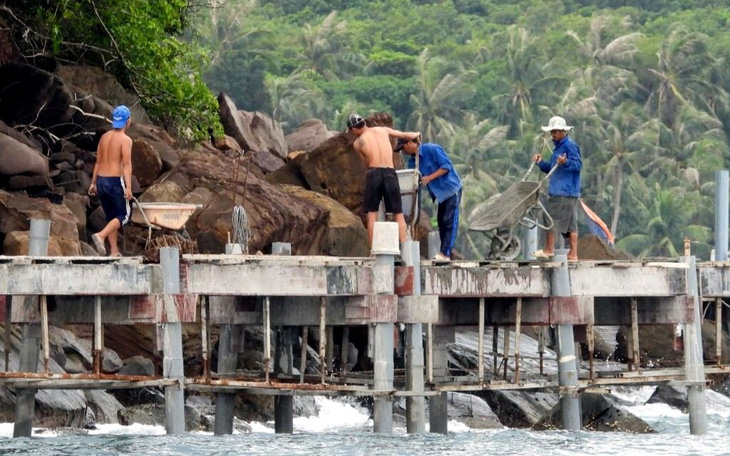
x=304, y=188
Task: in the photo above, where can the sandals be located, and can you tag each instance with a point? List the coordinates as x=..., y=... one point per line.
x=541, y=255
x=98, y=244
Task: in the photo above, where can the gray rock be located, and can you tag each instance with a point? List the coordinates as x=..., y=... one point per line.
x=309, y=135
x=673, y=396
x=138, y=365
x=104, y=406
x=472, y=411
x=79, y=351
x=18, y=158
x=599, y=413
x=519, y=409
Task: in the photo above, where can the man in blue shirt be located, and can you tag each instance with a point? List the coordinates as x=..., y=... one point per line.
x=564, y=188
x=443, y=184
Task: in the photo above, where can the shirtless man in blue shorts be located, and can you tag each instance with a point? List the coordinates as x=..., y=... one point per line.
x=112, y=180
x=381, y=181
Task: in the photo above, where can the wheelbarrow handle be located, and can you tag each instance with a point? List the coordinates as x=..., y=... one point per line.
x=529, y=170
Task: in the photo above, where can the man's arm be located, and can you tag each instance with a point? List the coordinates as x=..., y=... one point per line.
x=127, y=167
x=92, y=187
x=439, y=157
x=572, y=160
x=402, y=134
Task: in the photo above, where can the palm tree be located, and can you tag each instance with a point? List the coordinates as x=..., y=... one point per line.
x=667, y=214
x=527, y=73
x=292, y=101
x=324, y=50
x=441, y=92
x=684, y=62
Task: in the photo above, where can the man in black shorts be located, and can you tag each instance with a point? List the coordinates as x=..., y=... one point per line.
x=381, y=181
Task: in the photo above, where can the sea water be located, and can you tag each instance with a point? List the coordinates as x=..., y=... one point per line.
x=344, y=429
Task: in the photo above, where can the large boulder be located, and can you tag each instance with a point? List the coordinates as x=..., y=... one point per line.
x=102, y=84
x=256, y=133
x=519, y=409
x=80, y=349
x=19, y=158
x=345, y=234
x=656, y=343
x=673, y=396
x=334, y=168
x=17, y=209
x=599, y=413
x=309, y=135
x=17, y=243
x=146, y=162
x=273, y=215
x=472, y=411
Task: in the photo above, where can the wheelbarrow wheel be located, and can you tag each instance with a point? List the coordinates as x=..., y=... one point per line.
x=504, y=246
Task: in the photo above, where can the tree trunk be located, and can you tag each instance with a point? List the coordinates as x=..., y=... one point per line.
x=617, y=189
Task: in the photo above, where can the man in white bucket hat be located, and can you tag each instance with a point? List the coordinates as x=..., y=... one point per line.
x=564, y=188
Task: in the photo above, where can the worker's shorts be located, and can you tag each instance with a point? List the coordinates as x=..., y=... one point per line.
x=111, y=196
x=382, y=183
x=564, y=211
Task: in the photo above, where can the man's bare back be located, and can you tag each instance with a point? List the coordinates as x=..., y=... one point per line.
x=374, y=145
x=109, y=153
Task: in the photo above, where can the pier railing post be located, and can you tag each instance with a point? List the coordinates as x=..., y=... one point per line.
x=567, y=368
x=415, y=405
x=693, y=359
x=172, y=364
x=722, y=209
x=385, y=248
x=30, y=347
x=284, y=405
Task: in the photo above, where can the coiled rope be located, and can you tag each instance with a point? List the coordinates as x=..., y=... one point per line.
x=239, y=219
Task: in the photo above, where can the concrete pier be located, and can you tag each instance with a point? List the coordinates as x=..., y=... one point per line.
x=567, y=367
x=415, y=405
x=172, y=345
x=327, y=292
x=30, y=349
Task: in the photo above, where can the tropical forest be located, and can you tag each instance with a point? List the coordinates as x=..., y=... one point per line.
x=646, y=85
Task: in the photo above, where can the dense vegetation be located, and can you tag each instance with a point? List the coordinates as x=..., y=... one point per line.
x=139, y=41
x=645, y=84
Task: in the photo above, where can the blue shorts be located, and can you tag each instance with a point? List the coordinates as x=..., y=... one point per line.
x=111, y=196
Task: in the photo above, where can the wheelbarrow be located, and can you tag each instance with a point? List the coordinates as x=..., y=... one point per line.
x=163, y=216
x=499, y=216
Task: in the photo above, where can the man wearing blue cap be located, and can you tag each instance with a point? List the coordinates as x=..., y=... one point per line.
x=112, y=179
x=443, y=184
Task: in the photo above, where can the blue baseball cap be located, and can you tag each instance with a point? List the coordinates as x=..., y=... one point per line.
x=120, y=116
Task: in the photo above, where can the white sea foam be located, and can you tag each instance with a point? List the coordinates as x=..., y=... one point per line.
x=333, y=416
x=132, y=429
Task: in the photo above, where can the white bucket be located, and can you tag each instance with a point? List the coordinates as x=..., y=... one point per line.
x=408, y=182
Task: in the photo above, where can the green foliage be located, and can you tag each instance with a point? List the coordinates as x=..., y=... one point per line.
x=646, y=85
x=139, y=41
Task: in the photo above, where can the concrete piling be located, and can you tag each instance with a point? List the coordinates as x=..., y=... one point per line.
x=434, y=244
x=385, y=248
x=227, y=360
x=567, y=368
x=284, y=404
x=693, y=358
x=172, y=345
x=30, y=349
x=415, y=405
x=438, y=405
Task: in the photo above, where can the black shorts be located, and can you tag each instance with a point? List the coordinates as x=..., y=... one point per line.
x=382, y=183
x=564, y=211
